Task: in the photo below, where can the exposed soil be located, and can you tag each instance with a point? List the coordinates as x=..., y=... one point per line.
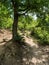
x=27, y=53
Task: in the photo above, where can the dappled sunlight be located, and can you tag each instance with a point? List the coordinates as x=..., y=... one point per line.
x=24, y=32
x=30, y=41
x=23, y=53
x=2, y=44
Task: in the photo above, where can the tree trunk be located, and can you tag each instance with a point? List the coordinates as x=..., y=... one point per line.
x=15, y=24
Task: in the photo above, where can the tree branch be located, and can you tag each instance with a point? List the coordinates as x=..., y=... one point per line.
x=19, y=13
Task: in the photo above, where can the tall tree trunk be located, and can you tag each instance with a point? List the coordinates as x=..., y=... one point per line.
x=15, y=24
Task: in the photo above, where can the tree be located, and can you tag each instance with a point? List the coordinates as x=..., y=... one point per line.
x=24, y=8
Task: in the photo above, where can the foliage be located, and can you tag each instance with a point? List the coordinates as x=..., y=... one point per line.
x=5, y=19
x=41, y=32
x=26, y=9
x=26, y=23
x=6, y=23
x=39, y=28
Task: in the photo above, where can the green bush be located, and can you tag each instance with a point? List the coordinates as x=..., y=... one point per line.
x=41, y=34
x=6, y=23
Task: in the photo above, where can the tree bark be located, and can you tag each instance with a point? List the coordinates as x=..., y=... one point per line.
x=15, y=24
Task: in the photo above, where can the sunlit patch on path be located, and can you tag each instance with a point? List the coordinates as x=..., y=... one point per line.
x=30, y=41
x=5, y=35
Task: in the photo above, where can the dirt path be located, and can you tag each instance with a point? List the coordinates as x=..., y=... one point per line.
x=29, y=53
x=5, y=35
x=39, y=55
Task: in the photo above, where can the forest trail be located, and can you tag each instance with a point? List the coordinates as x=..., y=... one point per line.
x=29, y=53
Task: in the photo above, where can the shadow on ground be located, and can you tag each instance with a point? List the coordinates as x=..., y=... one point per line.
x=24, y=54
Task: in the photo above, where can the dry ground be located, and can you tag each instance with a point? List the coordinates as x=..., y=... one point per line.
x=27, y=53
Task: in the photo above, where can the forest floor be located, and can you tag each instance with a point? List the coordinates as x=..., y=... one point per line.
x=27, y=53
